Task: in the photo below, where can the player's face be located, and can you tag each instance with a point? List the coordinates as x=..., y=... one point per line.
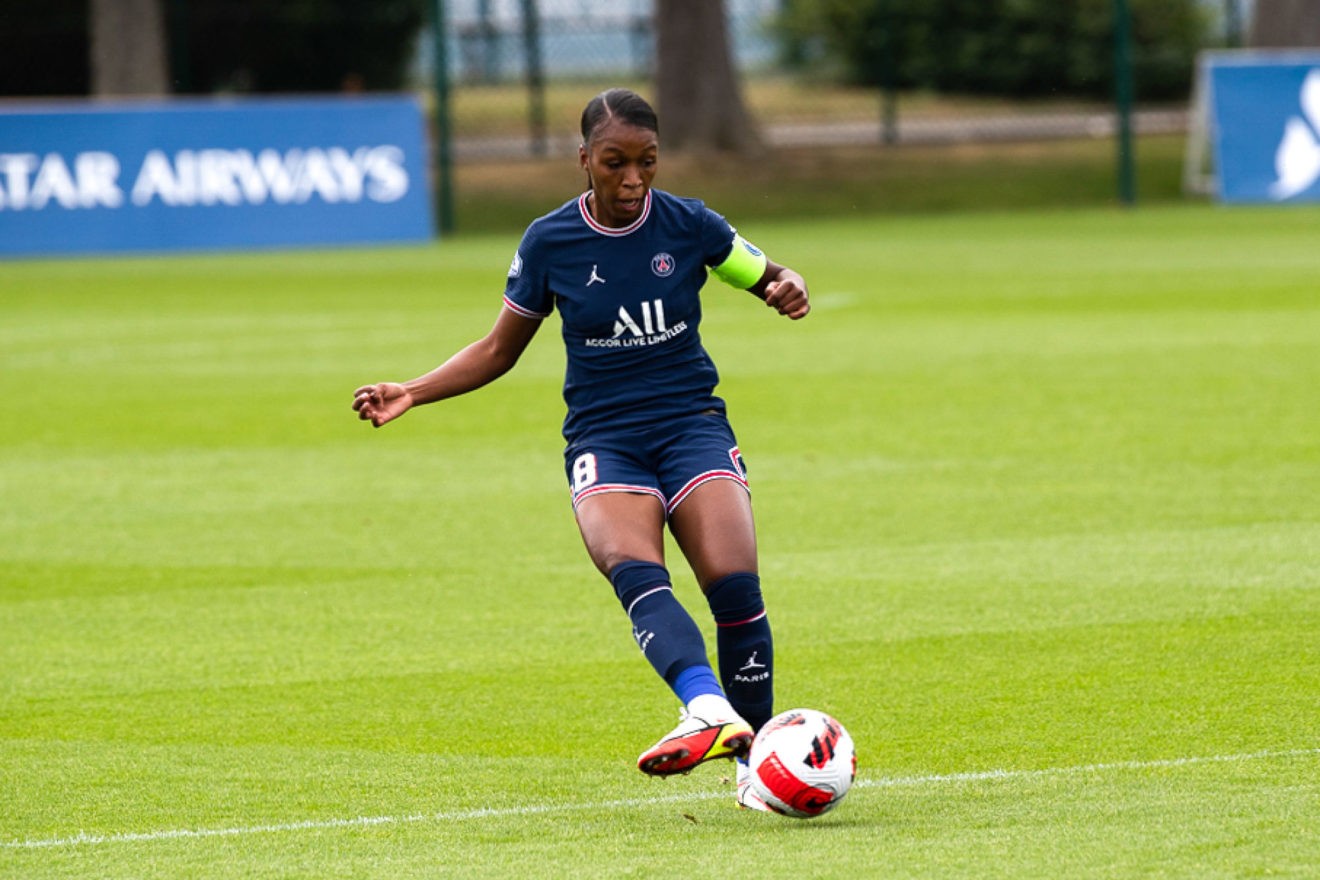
x=620, y=162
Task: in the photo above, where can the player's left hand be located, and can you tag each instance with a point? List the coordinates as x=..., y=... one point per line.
x=788, y=296
x=382, y=402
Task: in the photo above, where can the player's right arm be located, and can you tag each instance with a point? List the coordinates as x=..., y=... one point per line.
x=476, y=365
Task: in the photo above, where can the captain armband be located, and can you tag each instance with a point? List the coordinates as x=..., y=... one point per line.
x=744, y=266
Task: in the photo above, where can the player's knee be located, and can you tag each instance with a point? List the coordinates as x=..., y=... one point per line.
x=609, y=554
x=736, y=598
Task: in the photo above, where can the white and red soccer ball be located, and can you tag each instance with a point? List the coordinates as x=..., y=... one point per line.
x=803, y=763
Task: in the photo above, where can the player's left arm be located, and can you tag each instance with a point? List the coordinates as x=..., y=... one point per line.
x=747, y=267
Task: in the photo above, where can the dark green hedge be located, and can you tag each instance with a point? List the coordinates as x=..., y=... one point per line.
x=1019, y=48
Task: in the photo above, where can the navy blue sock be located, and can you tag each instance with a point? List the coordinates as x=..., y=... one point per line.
x=745, y=646
x=668, y=636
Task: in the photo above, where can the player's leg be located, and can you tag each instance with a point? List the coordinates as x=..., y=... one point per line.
x=710, y=515
x=715, y=530
x=623, y=529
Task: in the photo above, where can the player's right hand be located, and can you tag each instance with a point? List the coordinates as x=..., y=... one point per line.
x=382, y=402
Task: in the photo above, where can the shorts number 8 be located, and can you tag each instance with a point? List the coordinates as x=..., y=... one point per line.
x=584, y=471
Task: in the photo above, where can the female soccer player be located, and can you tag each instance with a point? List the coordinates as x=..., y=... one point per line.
x=648, y=443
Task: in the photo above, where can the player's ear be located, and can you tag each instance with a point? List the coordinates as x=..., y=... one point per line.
x=584, y=162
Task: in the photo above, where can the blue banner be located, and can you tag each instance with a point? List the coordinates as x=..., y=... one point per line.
x=203, y=175
x=1267, y=128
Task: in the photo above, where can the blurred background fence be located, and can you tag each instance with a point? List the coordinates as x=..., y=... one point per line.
x=520, y=71
x=517, y=70
x=509, y=77
x=813, y=71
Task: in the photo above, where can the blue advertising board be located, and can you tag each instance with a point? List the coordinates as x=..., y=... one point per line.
x=1267, y=128
x=190, y=175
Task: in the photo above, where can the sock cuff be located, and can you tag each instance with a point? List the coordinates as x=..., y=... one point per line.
x=635, y=579
x=694, y=682
x=735, y=599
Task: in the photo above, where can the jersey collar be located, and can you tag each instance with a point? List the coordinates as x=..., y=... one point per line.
x=609, y=230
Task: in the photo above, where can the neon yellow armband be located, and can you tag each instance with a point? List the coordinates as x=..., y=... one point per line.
x=744, y=266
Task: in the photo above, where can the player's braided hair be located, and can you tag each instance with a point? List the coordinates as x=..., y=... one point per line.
x=623, y=104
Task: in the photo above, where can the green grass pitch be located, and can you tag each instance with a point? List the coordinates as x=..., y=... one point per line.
x=1039, y=508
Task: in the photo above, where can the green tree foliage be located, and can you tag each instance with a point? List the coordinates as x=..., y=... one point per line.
x=1022, y=48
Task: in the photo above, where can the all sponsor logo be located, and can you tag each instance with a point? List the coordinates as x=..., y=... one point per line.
x=642, y=327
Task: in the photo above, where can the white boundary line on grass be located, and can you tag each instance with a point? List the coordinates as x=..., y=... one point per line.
x=84, y=839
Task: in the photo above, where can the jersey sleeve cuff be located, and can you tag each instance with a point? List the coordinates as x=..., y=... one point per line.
x=523, y=310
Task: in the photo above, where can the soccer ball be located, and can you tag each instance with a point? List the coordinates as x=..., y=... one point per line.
x=802, y=763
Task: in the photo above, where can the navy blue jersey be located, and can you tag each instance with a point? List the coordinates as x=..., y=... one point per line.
x=630, y=304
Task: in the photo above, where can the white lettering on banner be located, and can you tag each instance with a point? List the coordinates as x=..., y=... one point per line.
x=91, y=183
x=96, y=174
x=235, y=177
x=53, y=181
x=14, y=169
x=389, y=179
x=156, y=178
x=205, y=177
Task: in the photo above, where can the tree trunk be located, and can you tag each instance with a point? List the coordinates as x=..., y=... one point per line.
x=128, y=48
x=697, y=93
x=1281, y=24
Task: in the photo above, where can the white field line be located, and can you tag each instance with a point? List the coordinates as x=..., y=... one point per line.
x=84, y=839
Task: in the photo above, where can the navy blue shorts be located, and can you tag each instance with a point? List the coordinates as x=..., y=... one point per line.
x=668, y=461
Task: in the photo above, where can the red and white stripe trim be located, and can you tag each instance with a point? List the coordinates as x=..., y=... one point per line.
x=607, y=230
x=520, y=310
x=751, y=619
x=704, y=478
x=617, y=487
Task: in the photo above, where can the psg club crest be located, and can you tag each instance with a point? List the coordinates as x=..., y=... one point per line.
x=662, y=264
